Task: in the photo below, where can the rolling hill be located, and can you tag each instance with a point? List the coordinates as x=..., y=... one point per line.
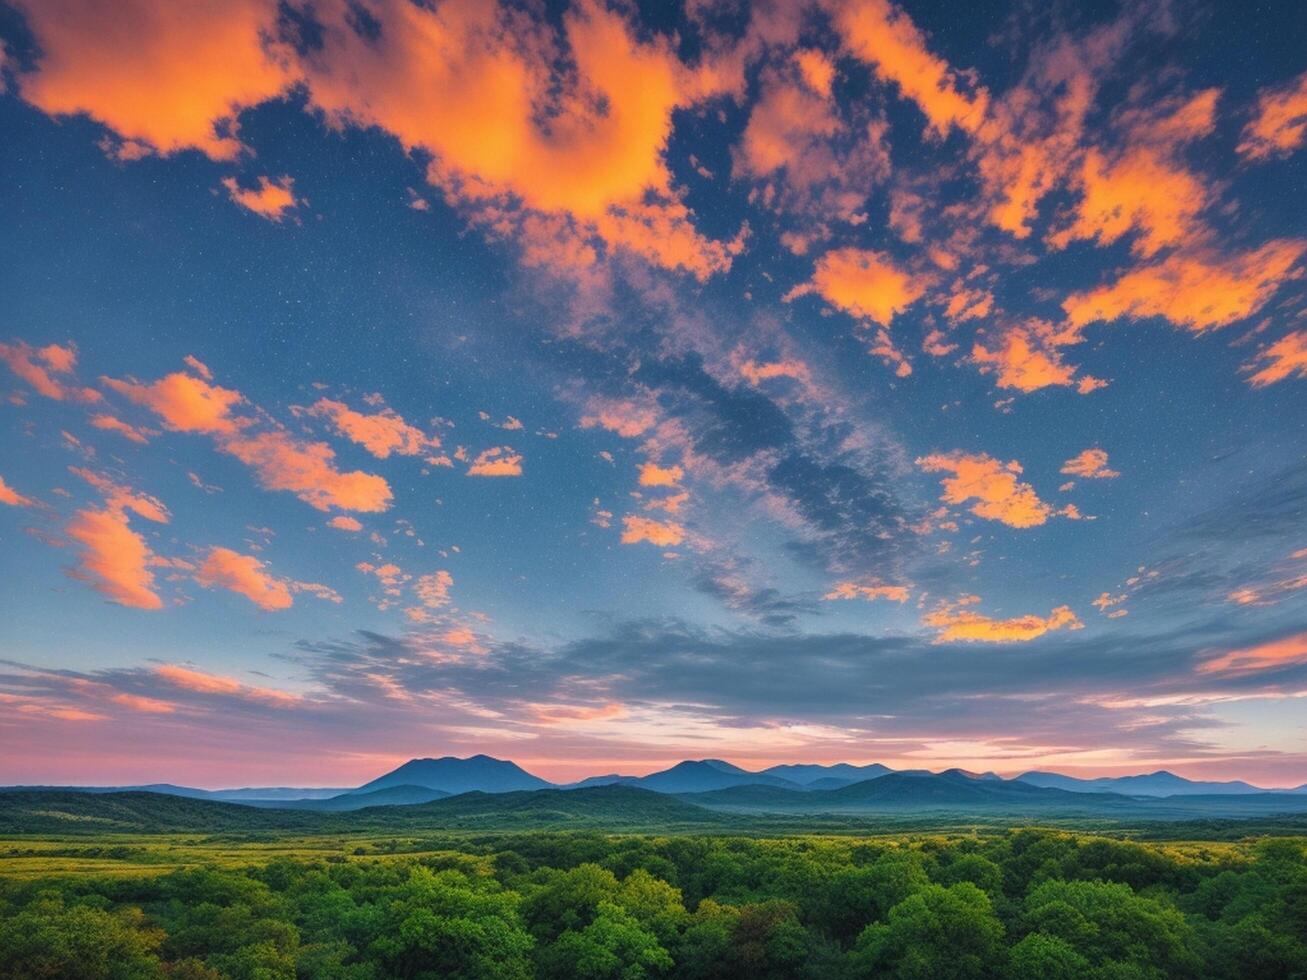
x=1160, y=783
x=357, y=800
x=603, y=808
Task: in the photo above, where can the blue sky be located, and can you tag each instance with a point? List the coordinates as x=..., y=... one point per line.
x=605, y=385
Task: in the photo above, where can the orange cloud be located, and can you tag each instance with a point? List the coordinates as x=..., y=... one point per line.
x=137, y=702
x=1286, y=358
x=757, y=373
x=244, y=575
x=498, y=461
x=466, y=82
x=271, y=199
x=968, y=626
x=112, y=423
x=1196, y=291
x=816, y=69
x=343, y=523
x=1266, y=656
x=185, y=403
x=789, y=127
x=478, y=87
x=433, y=589
x=653, y=475
x=869, y=590
x=1106, y=601
x=10, y=496
x=307, y=469
x=558, y=714
x=380, y=433
x=38, y=367
x=113, y=559
x=200, y=682
x=993, y=485
x=863, y=283
x=1028, y=357
x=626, y=418
x=119, y=497
x=885, y=37
x=1091, y=464
x=1144, y=187
x=968, y=304
x=1280, y=126
x=165, y=77
x=665, y=535
x=1141, y=190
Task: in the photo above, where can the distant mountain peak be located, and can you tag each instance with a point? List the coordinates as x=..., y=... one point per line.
x=454, y=775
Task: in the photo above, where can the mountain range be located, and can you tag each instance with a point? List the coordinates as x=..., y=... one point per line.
x=788, y=788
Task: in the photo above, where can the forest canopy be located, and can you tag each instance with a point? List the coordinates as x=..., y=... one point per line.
x=1018, y=904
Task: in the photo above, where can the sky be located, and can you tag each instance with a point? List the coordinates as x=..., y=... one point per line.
x=602, y=385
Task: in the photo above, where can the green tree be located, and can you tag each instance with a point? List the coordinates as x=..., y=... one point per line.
x=614, y=946
x=937, y=933
x=1111, y=926
x=1043, y=957
x=48, y=938
x=445, y=925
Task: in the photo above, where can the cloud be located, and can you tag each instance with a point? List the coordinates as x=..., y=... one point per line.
x=463, y=83
x=137, y=702
x=244, y=575
x=1200, y=291
x=119, y=497
x=39, y=367
x=1090, y=464
x=342, y=523
x=865, y=284
x=757, y=372
x=380, y=433
x=884, y=36
x=562, y=714
x=271, y=199
x=788, y=128
x=653, y=475
x=308, y=470
x=111, y=423
x=1280, y=124
x=868, y=590
x=113, y=559
x=663, y=534
x=1265, y=656
x=968, y=626
x=185, y=403
x=994, y=486
x=1028, y=356
x=1143, y=187
x=200, y=682
x=519, y=117
x=11, y=497
x=1286, y=358
x=433, y=589
x=163, y=77
x=629, y=419
x=497, y=461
